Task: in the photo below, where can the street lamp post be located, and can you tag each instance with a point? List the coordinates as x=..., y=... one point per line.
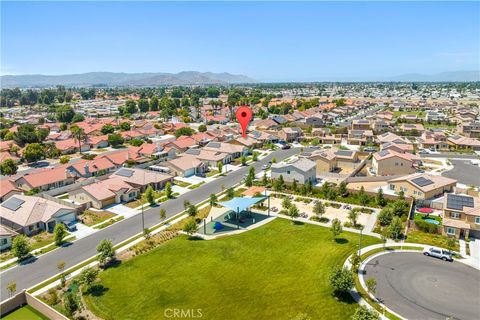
x=360, y=243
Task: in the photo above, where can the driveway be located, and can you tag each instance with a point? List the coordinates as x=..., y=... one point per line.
x=419, y=287
x=122, y=210
x=82, y=231
x=465, y=172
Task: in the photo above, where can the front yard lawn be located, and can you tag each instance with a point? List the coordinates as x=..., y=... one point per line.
x=436, y=240
x=90, y=217
x=212, y=173
x=273, y=272
x=25, y=313
x=182, y=184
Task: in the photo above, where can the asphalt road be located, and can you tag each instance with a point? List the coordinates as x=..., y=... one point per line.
x=30, y=274
x=419, y=287
x=450, y=155
x=465, y=172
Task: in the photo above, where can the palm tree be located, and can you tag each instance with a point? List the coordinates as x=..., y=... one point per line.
x=79, y=135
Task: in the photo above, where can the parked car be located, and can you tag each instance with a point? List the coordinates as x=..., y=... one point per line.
x=423, y=151
x=265, y=166
x=370, y=149
x=287, y=146
x=70, y=226
x=445, y=255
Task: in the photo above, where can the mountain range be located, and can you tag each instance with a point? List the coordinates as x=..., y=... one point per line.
x=113, y=79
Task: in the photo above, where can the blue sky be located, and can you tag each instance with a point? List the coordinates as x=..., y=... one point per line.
x=269, y=41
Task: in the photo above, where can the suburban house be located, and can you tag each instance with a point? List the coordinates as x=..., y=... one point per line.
x=422, y=185
x=8, y=189
x=211, y=158
x=89, y=168
x=186, y=166
x=6, y=236
x=400, y=148
x=45, y=179
x=98, y=141
x=248, y=142
x=30, y=215
x=360, y=137
x=469, y=129
x=434, y=116
x=412, y=128
x=290, y=134
x=392, y=138
x=332, y=159
x=141, y=179
x=461, y=216
x=390, y=162
x=263, y=137
x=234, y=150
x=182, y=143
x=71, y=146
x=361, y=125
x=302, y=170
x=436, y=140
x=460, y=142
x=103, y=193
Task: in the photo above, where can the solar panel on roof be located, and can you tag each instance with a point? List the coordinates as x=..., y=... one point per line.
x=383, y=153
x=214, y=145
x=193, y=151
x=125, y=173
x=422, y=182
x=457, y=202
x=13, y=203
x=344, y=153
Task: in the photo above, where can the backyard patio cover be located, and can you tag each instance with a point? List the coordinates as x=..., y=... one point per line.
x=240, y=204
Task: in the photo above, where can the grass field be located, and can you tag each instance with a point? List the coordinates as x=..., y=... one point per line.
x=273, y=272
x=25, y=313
x=436, y=240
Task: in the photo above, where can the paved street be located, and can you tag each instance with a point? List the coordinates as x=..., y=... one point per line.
x=465, y=172
x=44, y=267
x=419, y=287
x=450, y=155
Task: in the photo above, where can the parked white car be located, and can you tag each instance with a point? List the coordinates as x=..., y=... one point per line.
x=445, y=255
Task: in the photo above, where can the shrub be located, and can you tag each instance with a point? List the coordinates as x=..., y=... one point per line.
x=426, y=226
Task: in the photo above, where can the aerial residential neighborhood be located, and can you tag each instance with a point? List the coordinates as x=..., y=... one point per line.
x=305, y=190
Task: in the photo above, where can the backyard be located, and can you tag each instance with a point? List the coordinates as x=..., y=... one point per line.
x=25, y=313
x=274, y=272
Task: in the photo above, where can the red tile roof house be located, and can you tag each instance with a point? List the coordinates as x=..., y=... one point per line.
x=30, y=215
x=248, y=142
x=71, y=146
x=211, y=158
x=98, y=141
x=182, y=143
x=4, y=155
x=121, y=156
x=157, y=151
x=290, y=134
x=202, y=138
x=8, y=189
x=89, y=168
x=187, y=166
x=103, y=193
x=140, y=178
x=235, y=151
x=45, y=179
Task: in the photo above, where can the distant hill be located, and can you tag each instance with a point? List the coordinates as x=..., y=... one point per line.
x=113, y=79
x=451, y=76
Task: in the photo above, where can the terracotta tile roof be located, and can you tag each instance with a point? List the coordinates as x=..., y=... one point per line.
x=107, y=188
x=7, y=186
x=46, y=176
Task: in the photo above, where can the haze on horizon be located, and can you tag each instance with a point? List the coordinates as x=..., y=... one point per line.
x=283, y=41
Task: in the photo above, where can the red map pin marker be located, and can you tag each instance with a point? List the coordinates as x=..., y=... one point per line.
x=244, y=115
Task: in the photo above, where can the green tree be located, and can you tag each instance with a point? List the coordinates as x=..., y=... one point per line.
x=395, y=228
x=59, y=233
x=70, y=303
x=88, y=276
x=248, y=181
x=219, y=166
x=185, y=131
x=294, y=185
x=341, y=279
x=274, y=160
x=154, y=104
x=61, y=268
x=230, y=193
x=130, y=107
x=8, y=167
x=293, y=212
x=213, y=199
x=143, y=105
x=264, y=179
x=336, y=228
x=34, y=152
x=115, y=139
x=255, y=156
x=136, y=142
x=342, y=189
x=363, y=197
x=364, y=313
x=106, y=252
x=355, y=261
x=64, y=159
x=192, y=210
x=243, y=160
x=21, y=247
x=78, y=117
x=279, y=184
x=451, y=243
x=318, y=208
x=78, y=135
x=353, y=216
x=65, y=113
x=107, y=128
x=286, y=203
x=168, y=190
x=385, y=216
x=190, y=226
x=380, y=199
x=202, y=128
x=149, y=195
x=124, y=126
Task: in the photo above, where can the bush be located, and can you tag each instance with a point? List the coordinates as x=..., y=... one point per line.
x=341, y=279
x=426, y=226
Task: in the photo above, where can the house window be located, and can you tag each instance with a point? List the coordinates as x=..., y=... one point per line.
x=450, y=230
x=392, y=187
x=477, y=220
x=288, y=172
x=455, y=215
x=4, y=241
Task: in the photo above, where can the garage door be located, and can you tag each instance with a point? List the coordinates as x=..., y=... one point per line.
x=108, y=201
x=69, y=217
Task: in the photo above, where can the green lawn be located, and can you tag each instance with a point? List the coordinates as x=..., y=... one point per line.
x=436, y=240
x=419, y=114
x=273, y=272
x=25, y=313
